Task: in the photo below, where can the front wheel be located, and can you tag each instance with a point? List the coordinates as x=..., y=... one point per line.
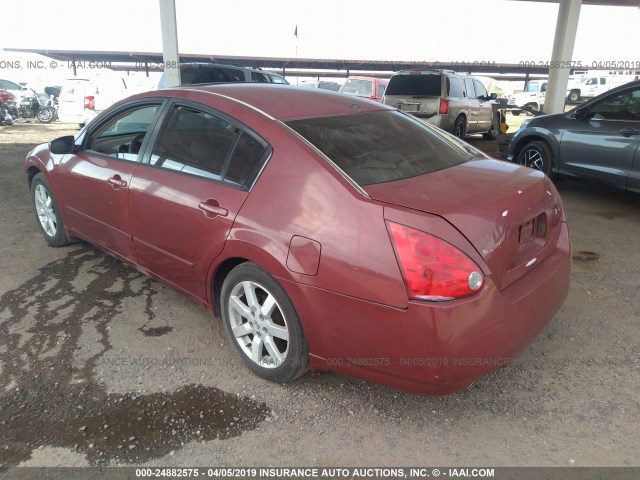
x=263, y=325
x=47, y=212
x=574, y=96
x=536, y=155
x=45, y=115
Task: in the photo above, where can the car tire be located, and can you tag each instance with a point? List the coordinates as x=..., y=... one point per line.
x=532, y=106
x=516, y=113
x=460, y=127
x=47, y=212
x=537, y=155
x=574, y=96
x=263, y=325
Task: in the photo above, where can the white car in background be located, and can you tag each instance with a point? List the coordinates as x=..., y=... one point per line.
x=82, y=98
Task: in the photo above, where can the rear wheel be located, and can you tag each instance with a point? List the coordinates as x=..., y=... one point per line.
x=537, y=155
x=47, y=212
x=515, y=113
x=574, y=96
x=460, y=127
x=263, y=325
x=531, y=106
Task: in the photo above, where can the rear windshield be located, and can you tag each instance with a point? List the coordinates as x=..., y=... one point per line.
x=429, y=85
x=378, y=147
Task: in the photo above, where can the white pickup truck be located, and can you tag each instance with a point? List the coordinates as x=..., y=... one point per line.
x=589, y=86
x=532, y=98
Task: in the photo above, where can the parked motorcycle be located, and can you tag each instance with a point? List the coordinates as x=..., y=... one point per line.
x=37, y=105
x=8, y=111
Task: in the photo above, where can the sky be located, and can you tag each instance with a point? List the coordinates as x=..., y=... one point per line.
x=501, y=31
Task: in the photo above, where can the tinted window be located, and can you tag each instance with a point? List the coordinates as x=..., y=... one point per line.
x=621, y=106
x=122, y=136
x=603, y=81
x=380, y=147
x=194, y=142
x=543, y=88
x=246, y=161
x=480, y=90
x=259, y=77
x=454, y=87
x=201, y=144
x=471, y=93
x=429, y=85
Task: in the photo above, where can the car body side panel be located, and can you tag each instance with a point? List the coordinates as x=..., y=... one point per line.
x=595, y=148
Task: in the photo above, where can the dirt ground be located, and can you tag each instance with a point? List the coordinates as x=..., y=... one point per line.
x=101, y=365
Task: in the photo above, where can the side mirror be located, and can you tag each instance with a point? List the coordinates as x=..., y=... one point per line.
x=63, y=145
x=494, y=96
x=581, y=113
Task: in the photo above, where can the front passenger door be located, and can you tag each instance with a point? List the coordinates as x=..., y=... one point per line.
x=95, y=181
x=485, y=110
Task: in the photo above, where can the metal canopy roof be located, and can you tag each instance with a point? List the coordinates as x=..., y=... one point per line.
x=152, y=61
x=606, y=3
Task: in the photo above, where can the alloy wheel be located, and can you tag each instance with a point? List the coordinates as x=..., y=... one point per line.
x=258, y=324
x=44, y=209
x=533, y=159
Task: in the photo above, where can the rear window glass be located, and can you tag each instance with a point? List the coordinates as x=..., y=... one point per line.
x=363, y=88
x=380, y=147
x=454, y=87
x=430, y=85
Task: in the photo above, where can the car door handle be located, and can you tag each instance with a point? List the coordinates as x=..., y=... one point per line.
x=117, y=182
x=212, y=207
x=629, y=132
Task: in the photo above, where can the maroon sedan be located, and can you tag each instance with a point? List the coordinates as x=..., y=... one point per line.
x=329, y=232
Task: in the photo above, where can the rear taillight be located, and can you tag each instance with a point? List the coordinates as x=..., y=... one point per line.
x=444, y=106
x=90, y=102
x=432, y=268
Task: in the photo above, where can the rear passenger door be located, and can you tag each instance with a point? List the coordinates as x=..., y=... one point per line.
x=472, y=104
x=187, y=192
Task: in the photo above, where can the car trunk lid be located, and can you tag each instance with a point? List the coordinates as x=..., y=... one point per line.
x=510, y=214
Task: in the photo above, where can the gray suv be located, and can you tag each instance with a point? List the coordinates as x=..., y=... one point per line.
x=599, y=140
x=457, y=103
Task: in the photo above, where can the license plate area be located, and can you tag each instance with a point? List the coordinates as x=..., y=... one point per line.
x=532, y=231
x=409, y=107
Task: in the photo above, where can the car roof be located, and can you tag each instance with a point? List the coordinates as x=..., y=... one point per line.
x=286, y=102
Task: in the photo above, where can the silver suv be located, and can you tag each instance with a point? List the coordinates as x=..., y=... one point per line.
x=197, y=73
x=456, y=103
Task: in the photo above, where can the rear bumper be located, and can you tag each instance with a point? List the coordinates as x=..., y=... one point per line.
x=435, y=348
x=84, y=117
